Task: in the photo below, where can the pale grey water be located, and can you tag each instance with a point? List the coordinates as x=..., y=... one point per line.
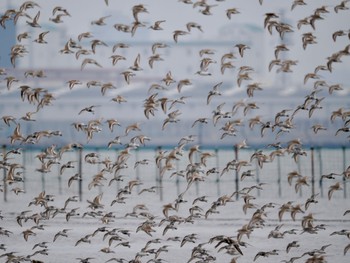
x=229, y=219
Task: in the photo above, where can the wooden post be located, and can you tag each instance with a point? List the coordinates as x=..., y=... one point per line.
x=157, y=169
x=217, y=175
x=177, y=179
x=312, y=172
x=159, y=178
x=196, y=182
x=257, y=174
x=299, y=171
x=321, y=171
x=80, y=171
x=344, y=168
x=59, y=181
x=24, y=164
x=160, y=183
x=4, y=179
x=237, y=176
x=42, y=181
x=118, y=181
x=137, y=168
x=279, y=176
x=99, y=169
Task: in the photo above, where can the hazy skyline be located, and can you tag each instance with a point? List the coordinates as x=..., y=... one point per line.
x=176, y=14
x=217, y=28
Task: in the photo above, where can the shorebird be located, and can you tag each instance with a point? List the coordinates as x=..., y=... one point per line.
x=73, y=198
x=269, y=17
x=137, y=9
x=27, y=233
x=188, y=238
x=106, y=250
x=73, y=82
x=204, y=65
x=90, y=109
x=24, y=35
x=95, y=43
x=83, y=35
x=82, y=52
x=231, y=242
x=96, y=202
x=128, y=75
x=146, y=227
x=251, y=88
x=8, y=119
x=100, y=21
x=17, y=135
x=116, y=58
x=214, y=92
x=136, y=65
x=132, y=127
x=62, y=233
x=172, y=118
x=157, y=45
x=242, y=48
x=241, y=77
x=58, y=18
x=89, y=61
x=293, y=244
x=178, y=33
x=86, y=260
x=231, y=11
x=342, y=129
x=341, y=6
x=207, y=9
x=153, y=58
x=318, y=127
x=60, y=9
x=135, y=26
x=334, y=87
x=200, y=120
x=9, y=81
x=156, y=25
x=346, y=248
x=16, y=52
x=301, y=180
x=119, y=99
x=191, y=25
x=206, y=51
x=280, y=48
x=183, y=82
x=265, y=254
x=332, y=188
x=69, y=164
x=34, y=22
x=308, y=38
x=297, y=3
x=311, y=199
x=85, y=239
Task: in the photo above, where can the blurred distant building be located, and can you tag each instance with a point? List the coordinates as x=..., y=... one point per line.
x=182, y=58
x=7, y=40
x=250, y=35
x=46, y=55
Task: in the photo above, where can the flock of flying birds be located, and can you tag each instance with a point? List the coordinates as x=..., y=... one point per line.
x=156, y=229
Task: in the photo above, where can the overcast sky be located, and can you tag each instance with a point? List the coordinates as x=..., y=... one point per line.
x=177, y=13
